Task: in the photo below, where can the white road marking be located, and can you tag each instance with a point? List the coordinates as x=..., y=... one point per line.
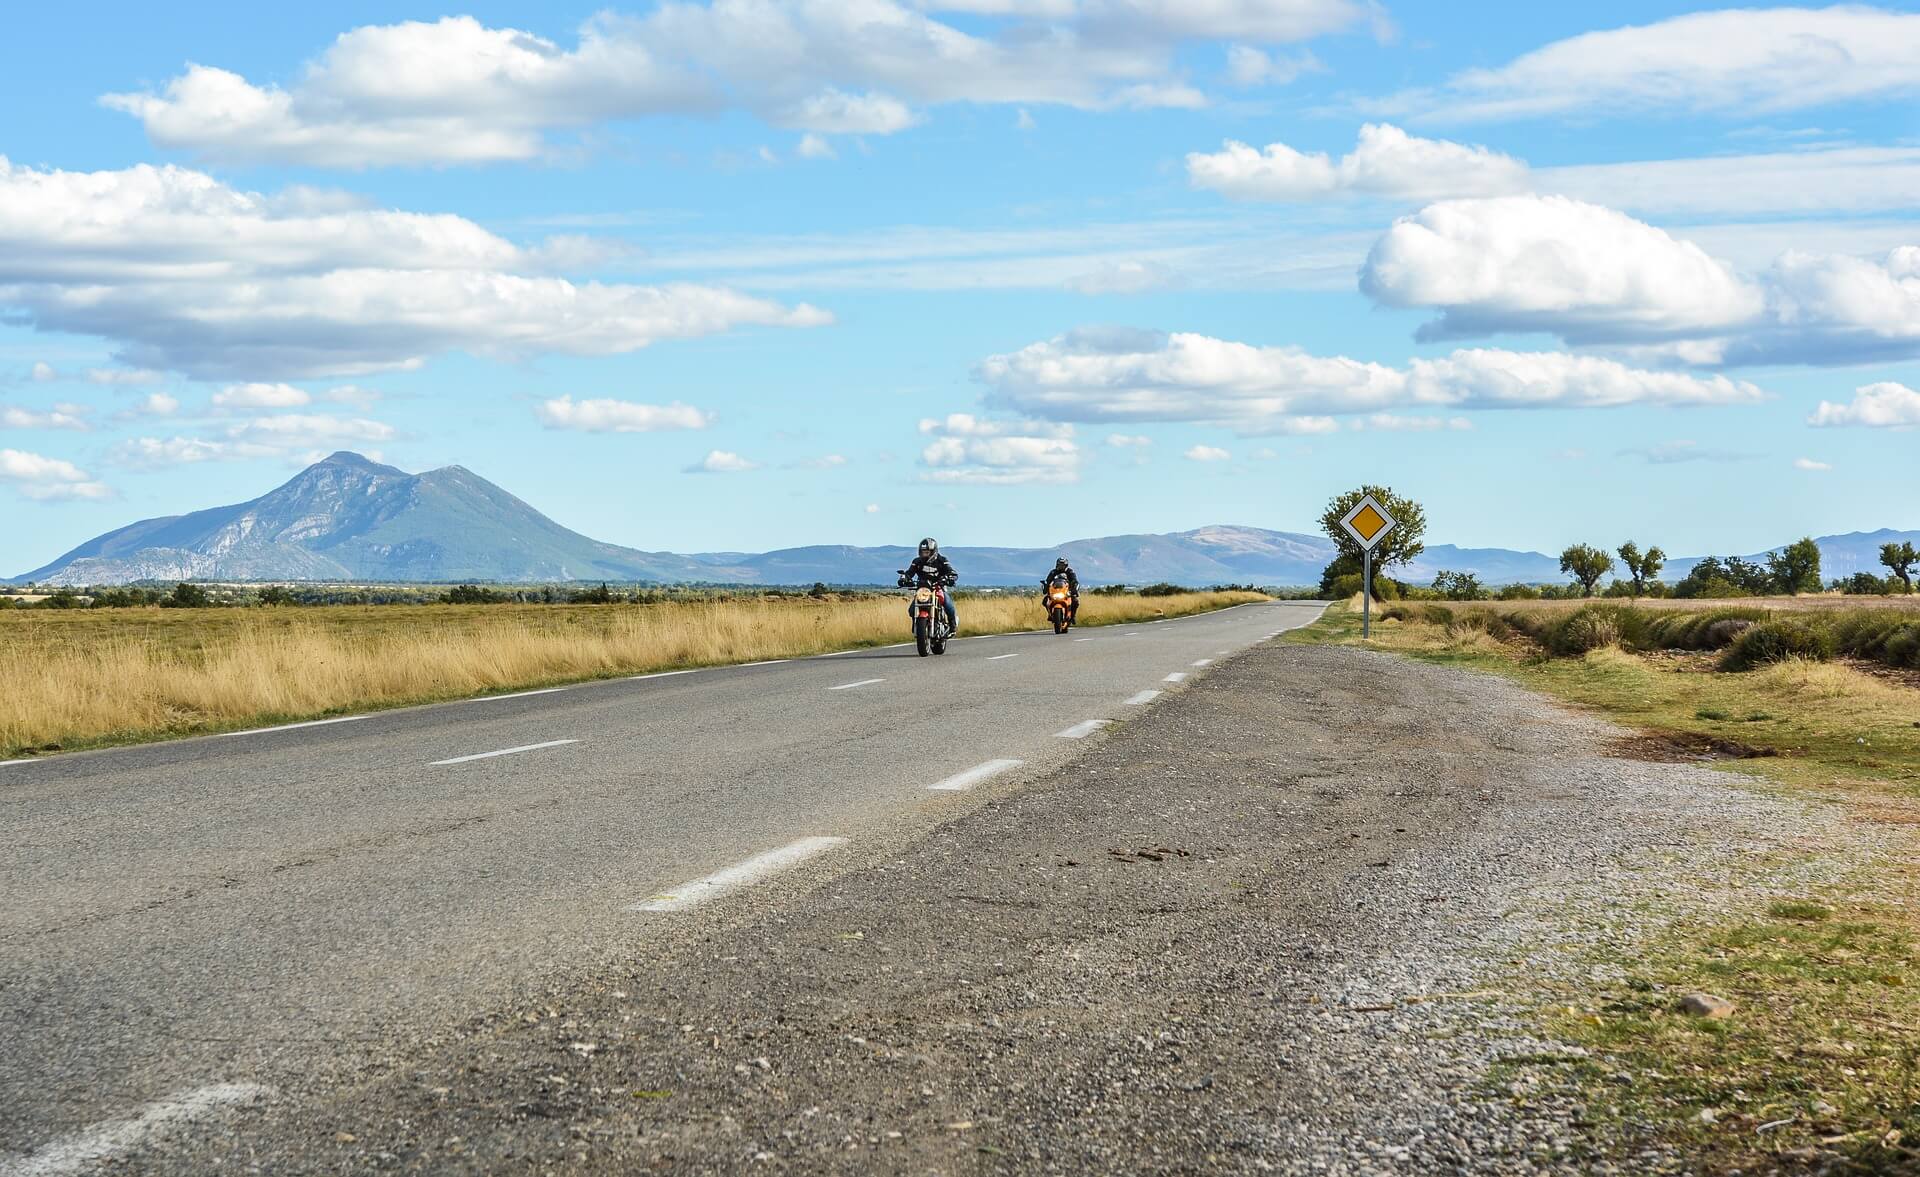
x=658, y=674
x=1158, y=621
x=998, y=657
x=974, y=775
x=848, y=686
x=1204, y=662
x=836, y=653
x=768, y=662
x=760, y=866
x=516, y=695
x=506, y=752
x=30, y=762
x=285, y=727
x=1083, y=639
x=1143, y=697
x=83, y=1150
x=1221, y=653
x=1131, y=634
x=1176, y=676
x=1081, y=731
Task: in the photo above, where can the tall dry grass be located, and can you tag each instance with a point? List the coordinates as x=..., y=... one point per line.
x=85, y=678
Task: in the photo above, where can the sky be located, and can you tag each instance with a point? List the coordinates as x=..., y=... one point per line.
x=729, y=275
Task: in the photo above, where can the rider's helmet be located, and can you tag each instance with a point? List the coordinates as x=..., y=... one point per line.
x=1060, y=565
x=928, y=548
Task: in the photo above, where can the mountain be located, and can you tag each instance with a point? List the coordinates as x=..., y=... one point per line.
x=348, y=518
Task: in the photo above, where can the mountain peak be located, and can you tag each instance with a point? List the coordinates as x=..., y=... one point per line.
x=355, y=461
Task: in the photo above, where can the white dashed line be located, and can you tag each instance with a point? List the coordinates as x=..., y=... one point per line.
x=516, y=695
x=760, y=866
x=1176, y=676
x=768, y=662
x=974, y=775
x=85, y=1150
x=998, y=657
x=1083, y=639
x=3, y=763
x=1143, y=697
x=848, y=686
x=506, y=752
x=285, y=727
x=1081, y=731
x=657, y=674
x=1204, y=662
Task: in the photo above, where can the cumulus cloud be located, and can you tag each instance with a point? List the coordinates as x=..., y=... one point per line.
x=1386, y=162
x=1810, y=464
x=722, y=462
x=157, y=404
x=1744, y=60
x=1396, y=423
x=814, y=147
x=43, y=372
x=607, y=415
x=1595, y=276
x=186, y=273
x=256, y=395
x=48, y=479
x=1885, y=405
x=1207, y=453
x=973, y=450
x=455, y=91
x=1119, y=376
x=1249, y=67
x=59, y=417
x=124, y=376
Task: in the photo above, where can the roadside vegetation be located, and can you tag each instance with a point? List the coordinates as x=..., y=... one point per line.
x=81, y=678
x=1818, y=1064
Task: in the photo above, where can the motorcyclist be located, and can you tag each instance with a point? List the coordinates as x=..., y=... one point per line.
x=931, y=569
x=1063, y=569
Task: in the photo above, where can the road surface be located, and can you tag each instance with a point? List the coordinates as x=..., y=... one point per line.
x=201, y=923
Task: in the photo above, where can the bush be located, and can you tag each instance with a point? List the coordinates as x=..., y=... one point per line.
x=187, y=596
x=1586, y=630
x=1163, y=589
x=1776, y=641
x=1714, y=629
x=1518, y=592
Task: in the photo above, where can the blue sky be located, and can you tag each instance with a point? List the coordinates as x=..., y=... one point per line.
x=752, y=274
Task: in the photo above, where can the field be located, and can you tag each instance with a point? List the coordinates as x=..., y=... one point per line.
x=85, y=678
x=1825, y=1048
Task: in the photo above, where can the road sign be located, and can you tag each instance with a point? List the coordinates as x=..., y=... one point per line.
x=1368, y=523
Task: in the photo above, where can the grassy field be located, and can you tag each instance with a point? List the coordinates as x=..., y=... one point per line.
x=1823, y=1052
x=86, y=678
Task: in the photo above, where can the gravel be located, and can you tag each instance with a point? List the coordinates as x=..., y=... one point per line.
x=1285, y=921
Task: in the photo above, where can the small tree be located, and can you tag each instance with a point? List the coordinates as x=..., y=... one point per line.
x=276, y=594
x=1459, y=586
x=1642, y=568
x=1900, y=559
x=1587, y=565
x=1399, y=546
x=1796, y=567
x=186, y=595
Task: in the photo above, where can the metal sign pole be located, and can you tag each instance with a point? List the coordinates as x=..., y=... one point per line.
x=1366, y=595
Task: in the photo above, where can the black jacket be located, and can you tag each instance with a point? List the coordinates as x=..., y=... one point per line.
x=1073, y=582
x=930, y=571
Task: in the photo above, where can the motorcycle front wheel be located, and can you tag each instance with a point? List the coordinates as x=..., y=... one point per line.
x=921, y=638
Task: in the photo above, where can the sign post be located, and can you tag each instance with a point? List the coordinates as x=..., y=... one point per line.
x=1368, y=523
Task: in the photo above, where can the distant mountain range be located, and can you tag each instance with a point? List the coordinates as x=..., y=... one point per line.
x=352, y=519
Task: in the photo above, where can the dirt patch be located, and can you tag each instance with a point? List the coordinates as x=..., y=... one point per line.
x=1686, y=748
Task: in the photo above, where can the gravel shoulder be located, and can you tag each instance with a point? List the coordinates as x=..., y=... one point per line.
x=1285, y=921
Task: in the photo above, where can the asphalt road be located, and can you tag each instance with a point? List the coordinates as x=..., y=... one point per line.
x=214, y=920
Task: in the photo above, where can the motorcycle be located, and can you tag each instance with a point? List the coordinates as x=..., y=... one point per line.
x=1059, y=597
x=928, y=608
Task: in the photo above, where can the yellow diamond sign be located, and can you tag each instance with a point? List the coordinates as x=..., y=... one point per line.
x=1368, y=523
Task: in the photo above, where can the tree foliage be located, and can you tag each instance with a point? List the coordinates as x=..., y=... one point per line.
x=1900, y=559
x=1400, y=546
x=1643, y=568
x=1796, y=567
x=1586, y=564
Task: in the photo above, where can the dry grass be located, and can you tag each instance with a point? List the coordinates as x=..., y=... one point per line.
x=1813, y=602
x=80, y=678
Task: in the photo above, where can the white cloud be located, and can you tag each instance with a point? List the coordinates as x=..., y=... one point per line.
x=352, y=394
x=722, y=462
x=1125, y=278
x=1128, y=441
x=158, y=404
x=257, y=395
x=124, y=376
x=1810, y=464
x=824, y=462
x=1024, y=120
x=1386, y=162
x=1249, y=67
x=455, y=91
x=188, y=274
x=1595, y=276
x=1885, y=405
x=1107, y=375
x=607, y=415
x=59, y=417
x=1741, y=60
x=1207, y=453
x=814, y=147
x=301, y=431
x=48, y=479
x=967, y=449
x=1396, y=423
x=43, y=372
x=1833, y=180
x=156, y=452
x=873, y=508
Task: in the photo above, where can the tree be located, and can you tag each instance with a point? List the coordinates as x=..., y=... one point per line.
x=1642, y=569
x=187, y=596
x=1796, y=567
x=1900, y=559
x=1587, y=565
x=276, y=594
x=1459, y=586
x=1401, y=544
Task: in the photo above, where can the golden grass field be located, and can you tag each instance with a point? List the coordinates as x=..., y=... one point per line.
x=79, y=678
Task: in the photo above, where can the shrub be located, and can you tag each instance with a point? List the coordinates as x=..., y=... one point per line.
x=1776, y=641
x=187, y=596
x=1163, y=589
x=1479, y=621
x=1518, y=592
